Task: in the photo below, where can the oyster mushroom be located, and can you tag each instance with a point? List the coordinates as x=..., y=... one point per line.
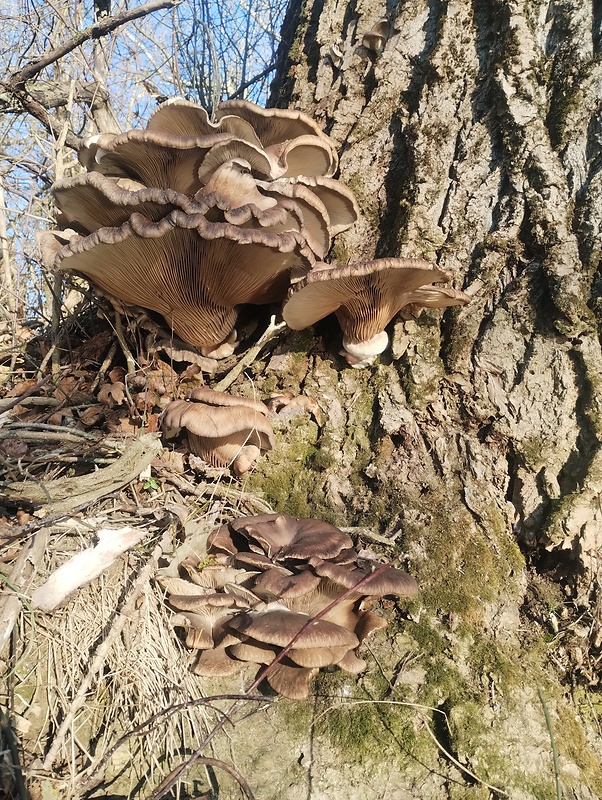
x=192, y=271
x=224, y=430
x=365, y=296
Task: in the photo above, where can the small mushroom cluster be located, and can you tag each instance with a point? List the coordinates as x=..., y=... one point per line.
x=222, y=429
x=263, y=580
x=193, y=219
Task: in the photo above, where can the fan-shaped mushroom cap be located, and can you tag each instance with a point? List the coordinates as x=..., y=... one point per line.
x=338, y=199
x=216, y=664
x=94, y=201
x=221, y=433
x=317, y=656
x=305, y=155
x=368, y=623
x=234, y=182
x=154, y=158
x=285, y=537
x=352, y=663
x=389, y=581
x=277, y=584
x=255, y=652
x=289, y=680
x=179, y=117
x=314, y=215
x=279, y=627
x=364, y=296
x=273, y=125
x=192, y=271
x=51, y=242
x=375, y=38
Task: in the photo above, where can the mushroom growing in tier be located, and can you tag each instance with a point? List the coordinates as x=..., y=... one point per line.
x=193, y=219
x=365, y=297
x=285, y=571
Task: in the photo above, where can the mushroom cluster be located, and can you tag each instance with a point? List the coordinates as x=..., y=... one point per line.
x=192, y=219
x=224, y=430
x=264, y=578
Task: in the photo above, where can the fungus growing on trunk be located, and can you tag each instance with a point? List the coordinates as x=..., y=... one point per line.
x=174, y=217
x=365, y=296
x=224, y=430
x=288, y=570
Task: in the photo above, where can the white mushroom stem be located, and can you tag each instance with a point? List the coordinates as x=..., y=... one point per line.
x=362, y=354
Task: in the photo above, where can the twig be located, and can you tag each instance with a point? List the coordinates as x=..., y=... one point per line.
x=145, y=727
x=95, y=31
x=212, y=490
x=19, y=531
x=16, y=400
x=129, y=358
x=461, y=766
x=552, y=743
x=103, y=649
x=215, y=762
x=250, y=356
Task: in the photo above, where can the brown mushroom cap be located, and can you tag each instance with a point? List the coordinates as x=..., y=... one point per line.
x=154, y=158
x=388, y=581
x=179, y=117
x=216, y=664
x=94, y=201
x=279, y=627
x=255, y=652
x=188, y=269
x=273, y=125
x=338, y=199
x=277, y=584
x=221, y=434
x=289, y=680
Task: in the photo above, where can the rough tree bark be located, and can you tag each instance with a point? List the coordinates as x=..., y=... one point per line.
x=471, y=138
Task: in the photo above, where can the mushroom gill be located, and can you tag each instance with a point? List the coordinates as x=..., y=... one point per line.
x=290, y=571
x=365, y=297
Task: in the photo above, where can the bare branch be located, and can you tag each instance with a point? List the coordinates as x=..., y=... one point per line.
x=100, y=28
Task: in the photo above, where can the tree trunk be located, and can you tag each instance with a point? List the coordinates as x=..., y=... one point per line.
x=471, y=137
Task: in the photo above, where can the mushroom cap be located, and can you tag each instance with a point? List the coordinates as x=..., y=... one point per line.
x=275, y=583
x=339, y=200
x=216, y=664
x=289, y=680
x=317, y=656
x=253, y=651
x=94, y=201
x=154, y=158
x=273, y=125
x=389, y=581
x=180, y=117
x=352, y=663
x=284, y=537
x=223, y=435
x=364, y=296
x=315, y=221
x=280, y=626
x=192, y=271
